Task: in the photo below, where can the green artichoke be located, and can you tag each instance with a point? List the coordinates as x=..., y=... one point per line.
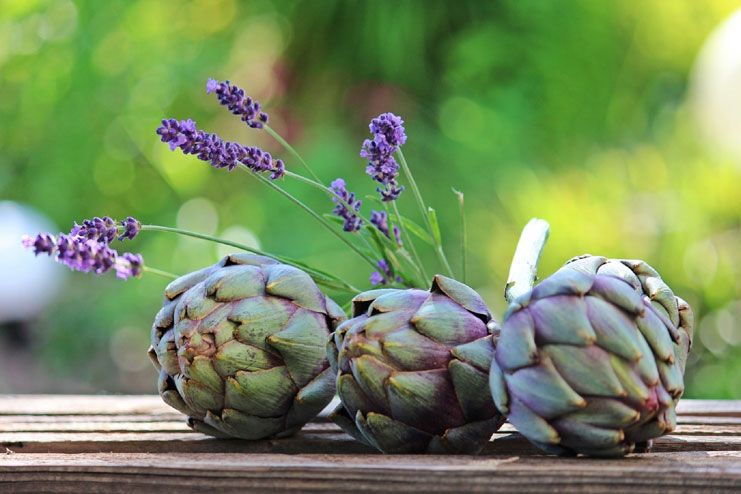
x=412, y=370
x=240, y=347
x=591, y=361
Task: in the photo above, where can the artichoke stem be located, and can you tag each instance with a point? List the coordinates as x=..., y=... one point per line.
x=524, y=267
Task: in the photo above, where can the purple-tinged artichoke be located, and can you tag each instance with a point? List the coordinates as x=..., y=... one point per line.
x=591, y=361
x=240, y=347
x=412, y=370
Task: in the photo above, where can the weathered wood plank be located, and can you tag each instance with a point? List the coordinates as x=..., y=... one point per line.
x=90, y=424
x=322, y=441
x=152, y=404
x=177, y=417
x=82, y=404
x=124, y=443
x=186, y=473
x=730, y=408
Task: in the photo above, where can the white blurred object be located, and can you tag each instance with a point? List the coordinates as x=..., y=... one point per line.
x=716, y=86
x=237, y=233
x=27, y=283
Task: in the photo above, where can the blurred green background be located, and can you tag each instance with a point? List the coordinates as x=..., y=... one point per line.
x=579, y=112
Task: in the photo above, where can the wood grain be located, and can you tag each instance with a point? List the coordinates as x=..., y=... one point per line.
x=138, y=444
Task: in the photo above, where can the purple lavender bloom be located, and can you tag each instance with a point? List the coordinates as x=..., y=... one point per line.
x=234, y=99
x=84, y=255
x=397, y=236
x=43, y=243
x=381, y=221
x=388, y=135
x=391, y=191
x=384, y=275
x=377, y=278
x=99, y=229
x=353, y=222
x=185, y=135
x=391, y=127
x=131, y=227
x=129, y=265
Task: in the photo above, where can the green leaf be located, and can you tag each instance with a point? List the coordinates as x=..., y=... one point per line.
x=334, y=218
x=416, y=230
x=404, y=266
x=375, y=199
x=379, y=239
x=434, y=225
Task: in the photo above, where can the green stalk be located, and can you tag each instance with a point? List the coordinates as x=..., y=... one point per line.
x=314, y=214
x=315, y=274
x=410, y=241
x=290, y=149
x=316, y=182
x=422, y=209
x=327, y=191
x=418, y=266
x=203, y=236
x=464, y=234
x=524, y=267
x=159, y=272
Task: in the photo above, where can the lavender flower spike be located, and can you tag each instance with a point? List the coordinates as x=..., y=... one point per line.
x=131, y=227
x=185, y=135
x=234, y=99
x=129, y=265
x=85, y=255
x=353, y=222
x=380, y=220
x=384, y=275
x=388, y=135
x=102, y=230
x=391, y=128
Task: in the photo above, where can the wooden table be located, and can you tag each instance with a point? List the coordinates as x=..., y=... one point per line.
x=136, y=444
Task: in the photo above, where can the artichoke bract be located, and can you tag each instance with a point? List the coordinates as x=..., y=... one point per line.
x=591, y=360
x=412, y=370
x=240, y=347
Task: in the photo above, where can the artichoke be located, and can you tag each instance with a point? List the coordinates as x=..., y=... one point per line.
x=412, y=370
x=240, y=347
x=591, y=360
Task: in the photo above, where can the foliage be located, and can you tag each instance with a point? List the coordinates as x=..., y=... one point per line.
x=572, y=111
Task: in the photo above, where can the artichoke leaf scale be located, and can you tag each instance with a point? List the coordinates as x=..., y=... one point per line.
x=544, y=390
x=372, y=376
x=266, y=393
x=444, y=321
x=616, y=331
x=586, y=369
x=478, y=353
x=476, y=406
x=410, y=350
x=561, y=319
x=426, y=399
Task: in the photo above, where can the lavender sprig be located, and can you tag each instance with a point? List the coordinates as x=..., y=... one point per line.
x=384, y=275
x=86, y=247
x=129, y=265
x=233, y=97
x=131, y=227
x=85, y=255
x=388, y=136
x=380, y=220
x=344, y=198
x=97, y=229
x=208, y=147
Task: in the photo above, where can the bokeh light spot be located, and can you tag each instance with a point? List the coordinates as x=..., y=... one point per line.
x=198, y=214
